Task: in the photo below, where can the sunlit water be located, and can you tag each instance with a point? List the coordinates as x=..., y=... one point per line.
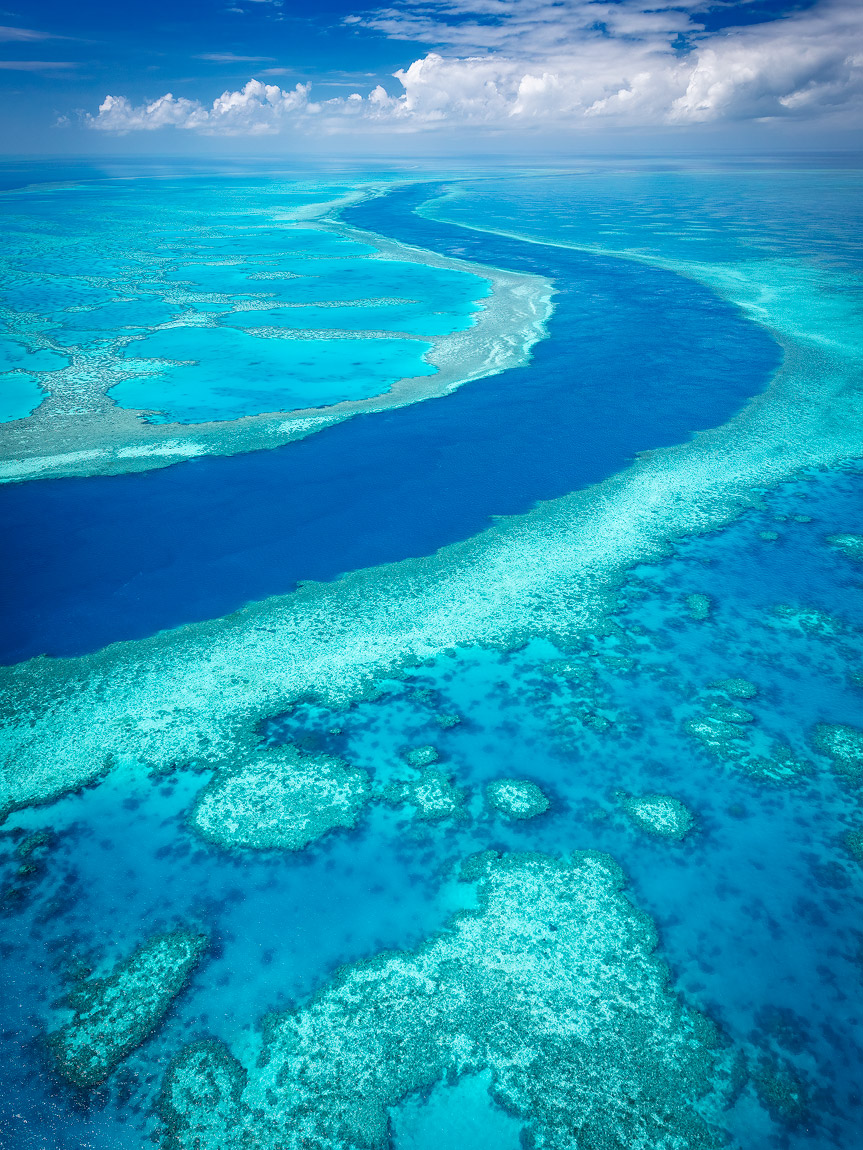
x=758, y=909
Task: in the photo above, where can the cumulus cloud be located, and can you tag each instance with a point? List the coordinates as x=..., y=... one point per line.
x=560, y=63
x=257, y=109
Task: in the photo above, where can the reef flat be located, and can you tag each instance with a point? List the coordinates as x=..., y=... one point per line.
x=115, y=1014
x=279, y=798
x=99, y=388
x=551, y=981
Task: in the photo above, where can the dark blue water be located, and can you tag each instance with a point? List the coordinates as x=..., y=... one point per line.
x=637, y=358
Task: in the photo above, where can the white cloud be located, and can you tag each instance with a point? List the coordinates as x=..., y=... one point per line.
x=560, y=64
x=257, y=109
x=27, y=34
x=36, y=65
x=230, y=58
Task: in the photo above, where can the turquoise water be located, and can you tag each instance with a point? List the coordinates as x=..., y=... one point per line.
x=231, y=373
x=757, y=909
x=20, y=394
x=100, y=273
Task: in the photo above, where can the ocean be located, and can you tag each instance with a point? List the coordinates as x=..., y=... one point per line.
x=304, y=594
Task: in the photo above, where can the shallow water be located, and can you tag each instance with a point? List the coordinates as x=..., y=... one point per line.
x=758, y=910
x=197, y=257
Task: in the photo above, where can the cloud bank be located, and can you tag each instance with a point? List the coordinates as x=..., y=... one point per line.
x=573, y=64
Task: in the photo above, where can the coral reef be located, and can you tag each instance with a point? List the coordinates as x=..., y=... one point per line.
x=200, y=1103
x=198, y=691
x=421, y=756
x=781, y=1091
x=279, y=798
x=737, y=688
x=726, y=731
x=551, y=984
x=843, y=744
x=663, y=816
x=432, y=796
x=699, y=606
x=516, y=798
x=115, y=1014
x=851, y=546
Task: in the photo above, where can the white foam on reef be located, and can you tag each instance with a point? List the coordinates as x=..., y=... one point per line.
x=197, y=692
x=80, y=430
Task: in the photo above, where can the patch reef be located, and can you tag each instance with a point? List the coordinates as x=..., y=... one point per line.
x=662, y=816
x=279, y=798
x=115, y=1014
x=516, y=798
x=551, y=984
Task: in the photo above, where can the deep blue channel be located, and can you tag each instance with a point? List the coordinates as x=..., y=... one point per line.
x=637, y=358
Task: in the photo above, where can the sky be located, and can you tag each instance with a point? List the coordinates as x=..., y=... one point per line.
x=429, y=76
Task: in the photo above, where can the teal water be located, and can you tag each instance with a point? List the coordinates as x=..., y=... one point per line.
x=20, y=395
x=758, y=910
x=112, y=275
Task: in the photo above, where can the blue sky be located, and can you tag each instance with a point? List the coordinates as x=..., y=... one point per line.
x=271, y=75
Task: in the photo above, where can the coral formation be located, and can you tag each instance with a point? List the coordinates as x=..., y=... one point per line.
x=781, y=1091
x=279, y=798
x=809, y=620
x=699, y=606
x=432, y=796
x=851, y=546
x=79, y=430
x=737, y=688
x=726, y=732
x=551, y=984
x=843, y=744
x=853, y=841
x=196, y=692
x=115, y=1014
x=201, y=1098
x=663, y=816
x=421, y=756
x=516, y=798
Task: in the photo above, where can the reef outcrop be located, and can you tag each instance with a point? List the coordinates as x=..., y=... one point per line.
x=516, y=798
x=280, y=798
x=662, y=816
x=116, y=1013
x=432, y=796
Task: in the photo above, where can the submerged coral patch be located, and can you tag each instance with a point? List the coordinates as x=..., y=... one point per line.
x=280, y=798
x=421, y=756
x=700, y=606
x=737, y=688
x=843, y=745
x=432, y=796
x=516, y=798
x=201, y=1098
x=548, y=984
x=662, y=816
x=851, y=546
x=115, y=1014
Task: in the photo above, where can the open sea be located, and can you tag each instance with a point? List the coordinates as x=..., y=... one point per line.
x=725, y=670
